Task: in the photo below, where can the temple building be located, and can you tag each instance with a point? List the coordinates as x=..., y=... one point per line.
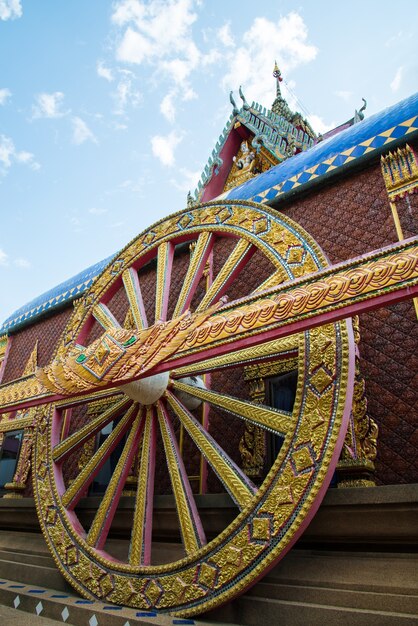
x=232, y=449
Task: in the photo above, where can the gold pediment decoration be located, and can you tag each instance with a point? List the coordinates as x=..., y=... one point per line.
x=247, y=164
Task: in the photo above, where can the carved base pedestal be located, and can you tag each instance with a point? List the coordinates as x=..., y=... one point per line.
x=355, y=473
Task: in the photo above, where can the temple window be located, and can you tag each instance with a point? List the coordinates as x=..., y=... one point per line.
x=101, y=481
x=280, y=394
x=9, y=456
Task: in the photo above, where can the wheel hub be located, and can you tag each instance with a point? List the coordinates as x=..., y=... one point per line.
x=147, y=390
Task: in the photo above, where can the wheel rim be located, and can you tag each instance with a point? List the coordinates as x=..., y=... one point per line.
x=272, y=516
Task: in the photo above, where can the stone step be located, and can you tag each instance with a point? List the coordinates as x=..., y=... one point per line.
x=27, y=573
x=20, y=557
x=69, y=608
x=365, y=600
x=253, y=611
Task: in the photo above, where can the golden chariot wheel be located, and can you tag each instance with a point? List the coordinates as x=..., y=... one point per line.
x=179, y=431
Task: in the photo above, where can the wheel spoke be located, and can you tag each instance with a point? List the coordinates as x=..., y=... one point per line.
x=164, y=265
x=194, y=273
x=71, y=443
x=276, y=349
x=134, y=295
x=235, y=481
x=190, y=525
x=105, y=317
x=141, y=537
x=236, y=261
x=99, y=529
x=271, y=419
x=91, y=469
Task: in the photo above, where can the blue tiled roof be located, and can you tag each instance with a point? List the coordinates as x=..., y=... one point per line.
x=367, y=137
x=54, y=298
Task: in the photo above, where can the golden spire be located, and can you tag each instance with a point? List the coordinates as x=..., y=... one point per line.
x=278, y=76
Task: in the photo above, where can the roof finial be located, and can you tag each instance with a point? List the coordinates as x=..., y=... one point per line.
x=278, y=76
x=235, y=109
x=245, y=105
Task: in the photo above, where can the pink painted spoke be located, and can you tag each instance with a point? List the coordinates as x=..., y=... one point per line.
x=100, y=527
x=276, y=421
x=133, y=292
x=191, y=527
x=238, y=485
x=77, y=439
x=105, y=317
x=234, y=264
x=78, y=487
x=164, y=267
x=65, y=422
x=141, y=536
x=198, y=260
x=276, y=349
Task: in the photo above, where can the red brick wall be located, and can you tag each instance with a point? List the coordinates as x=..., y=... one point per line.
x=47, y=332
x=347, y=218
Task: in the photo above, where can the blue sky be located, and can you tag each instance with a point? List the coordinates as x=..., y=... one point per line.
x=109, y=110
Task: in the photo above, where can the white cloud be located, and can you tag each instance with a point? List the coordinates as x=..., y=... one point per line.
x=158, y=33
x=163, y=147
x=10, y=9
x=396, y=82
x=225, y=36
x=189, y=94
x=127, y=10
x=318, y=124
x=167, y=107
x=186, y=180
x=9, y=155
x=126, y=94
x=4, y=258
x=154, y=29
x=49, y=105
x=250, y=64
x=118, y=126
x=28, y=158
x=136, y=186
x=104, y=72
x=23, y=263
x=20, y=262
x=7, y=151
x=344, y=95
x=97, y=211
x=5, y=94
x=81, y=132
